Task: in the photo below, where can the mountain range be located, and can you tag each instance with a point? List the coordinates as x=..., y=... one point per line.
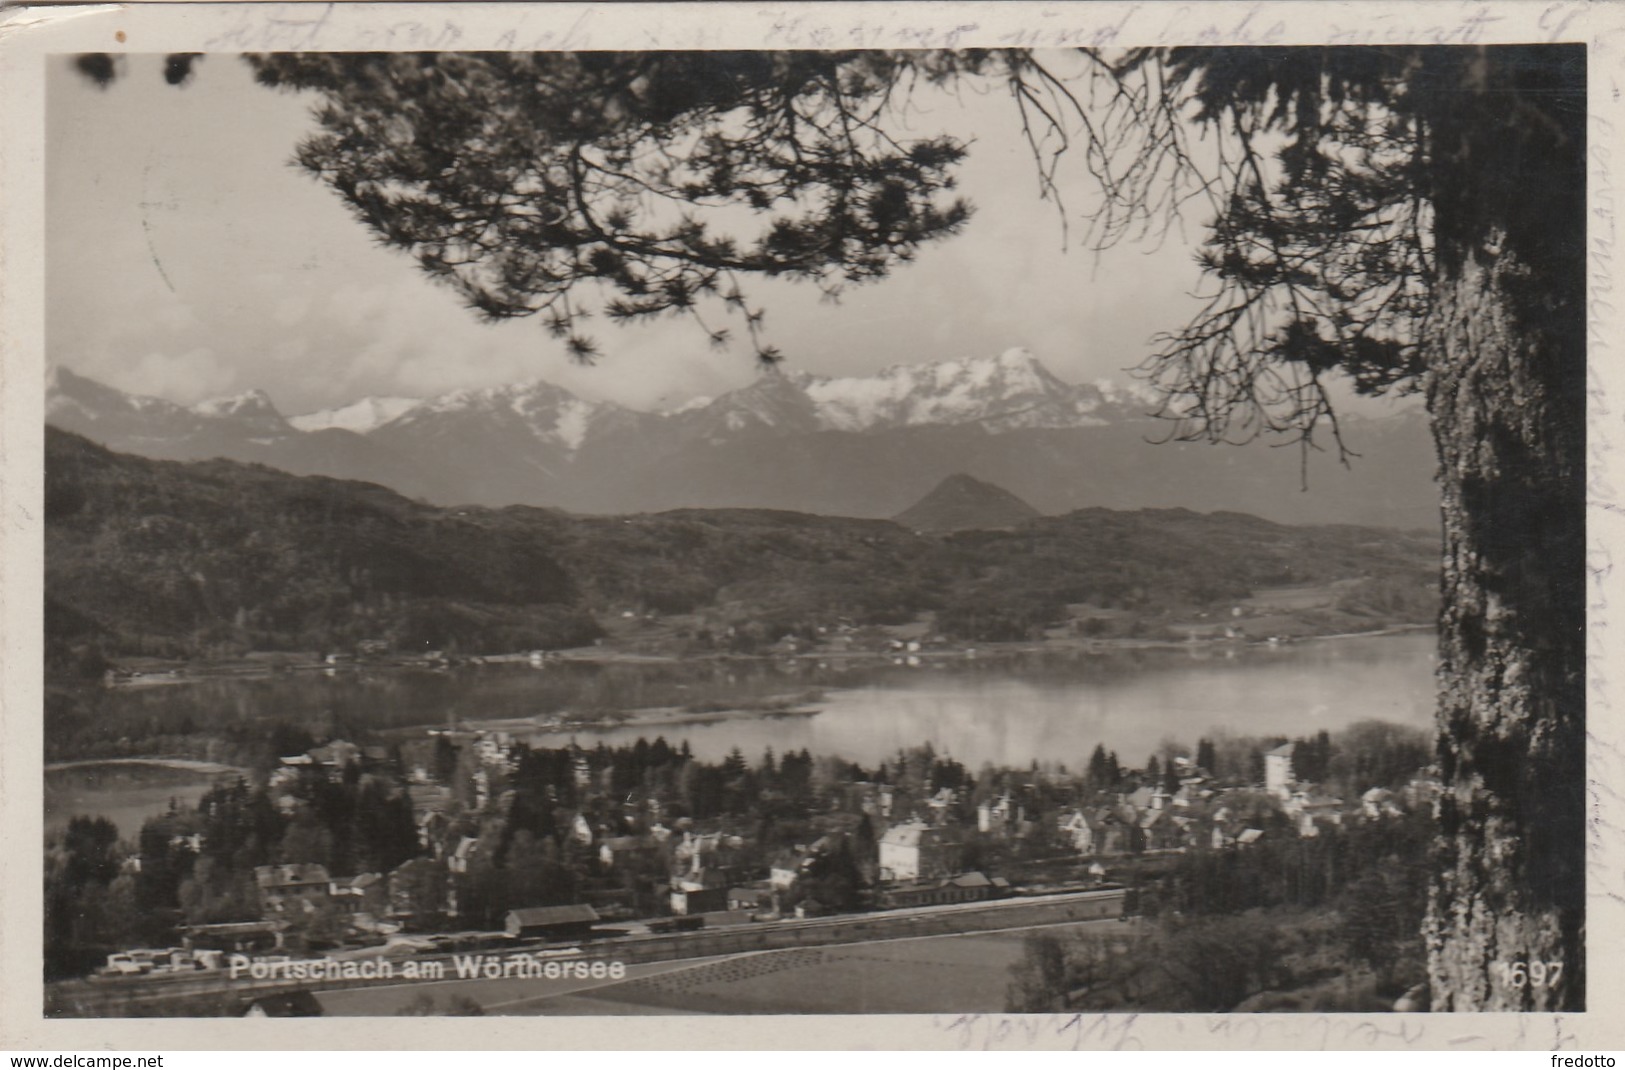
x=857, y=446
x=187, y=559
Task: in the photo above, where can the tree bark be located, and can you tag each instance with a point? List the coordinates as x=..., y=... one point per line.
x=1506, y=396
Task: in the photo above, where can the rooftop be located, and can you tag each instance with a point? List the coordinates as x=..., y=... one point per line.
x=915, y=834
x=574, y=914
x=290, y=873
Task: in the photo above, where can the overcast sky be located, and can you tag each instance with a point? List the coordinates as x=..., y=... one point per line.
x=187, y=258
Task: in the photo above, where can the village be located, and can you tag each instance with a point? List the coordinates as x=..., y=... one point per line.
x=497, y=844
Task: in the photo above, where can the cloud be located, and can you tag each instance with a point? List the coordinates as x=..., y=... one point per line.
x=269, y=282
x=187, y=377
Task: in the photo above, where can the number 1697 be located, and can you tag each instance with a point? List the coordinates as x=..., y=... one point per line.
x=1528, y=974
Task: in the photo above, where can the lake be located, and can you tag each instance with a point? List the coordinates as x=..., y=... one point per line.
x=1054, y=709
x=1009, y=710
x=125, y=793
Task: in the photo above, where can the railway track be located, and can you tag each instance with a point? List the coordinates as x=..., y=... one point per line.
x=151, y=995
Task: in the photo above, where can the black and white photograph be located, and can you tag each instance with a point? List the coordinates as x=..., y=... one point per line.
x=1046, y=522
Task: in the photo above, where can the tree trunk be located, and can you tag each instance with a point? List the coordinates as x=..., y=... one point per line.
x=1506, y=395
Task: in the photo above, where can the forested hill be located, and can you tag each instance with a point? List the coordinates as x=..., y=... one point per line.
x=187, y=559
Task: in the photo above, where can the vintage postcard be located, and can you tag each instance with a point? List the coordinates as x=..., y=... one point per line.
x=891, y=525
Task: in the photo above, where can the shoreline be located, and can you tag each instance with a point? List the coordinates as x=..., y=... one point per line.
x=189, y=672
x=193, y=765
x=804, y=702
x=650, y=716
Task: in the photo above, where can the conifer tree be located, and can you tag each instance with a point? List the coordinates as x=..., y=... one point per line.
x=1407, y=219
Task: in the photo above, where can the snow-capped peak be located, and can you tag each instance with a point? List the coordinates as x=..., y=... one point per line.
x=690, y=405
x=540, y=408
x=1005, y=392
x=359, y=416
x=515, y=397
x=253, y=404
x=1135, y=392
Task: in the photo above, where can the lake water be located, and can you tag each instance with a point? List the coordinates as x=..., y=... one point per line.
x=124, y=794
x=1008, y=710
x=1058, y=709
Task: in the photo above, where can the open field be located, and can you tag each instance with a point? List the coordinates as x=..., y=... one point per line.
x=913, y=975
x=916, y=975
x=499, y=996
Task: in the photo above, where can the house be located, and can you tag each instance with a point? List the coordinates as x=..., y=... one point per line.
x=291, y=888
x=1158, y=832
x=612, y=904
x=1191, y=792
x=240, y=936
x=334, y=756
x=1311, y=811
x=1278, y=771
x=757, y=895
x=1379, y=803
x=697, y=851
x=1140, y=798
x=432, y=828
x=460, y=855
x=710, y=852
x=625, y=851
x=551, y=923
x=995, y=815
x=785, y=870
x=915, y=851
x=1075, y=829
x=688, y=900
x=193, y=843
x=704, y=879
x=1113, y=834
x=964, y=888
x=365, y=894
